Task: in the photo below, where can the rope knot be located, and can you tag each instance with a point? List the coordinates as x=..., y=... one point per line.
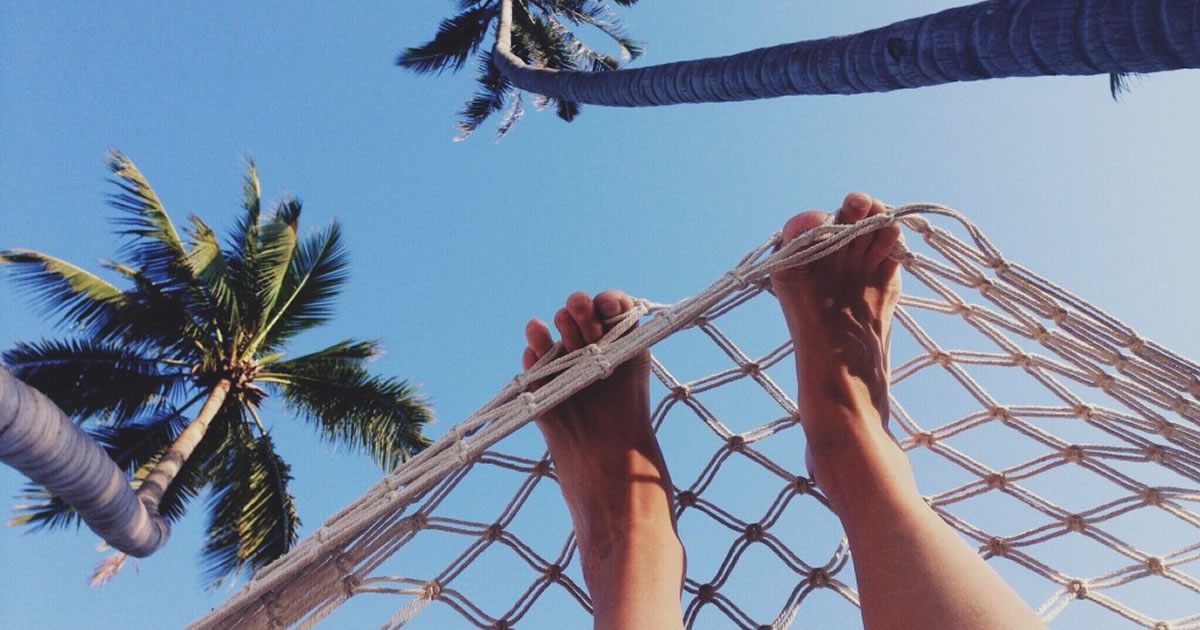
x=418, y=520
x=737, y=278
x=706, y=592
x=553, y=573
x=1041, y=334
x=681, y=391
x=1154, y=564
x=1023, y=360
x=528, y=400
x=1105, y=381
x=1152, y=496
x=1156, y=453
x=542, y=468
x=818, y=577
x=998, y=546
x=941, y=358
x=751, y=368
x=964, y=309
x=1165, y=429
x=1073, y=453
x=736, y=442
x=1075, y=523
x=753, y=532
x=802, y=485
x=1162, y=625
x=1181, y=406
x=1000, y=413
x=601, y=359
x=996, y=480
x=1059, y=315
x=493, y=532
x=431, y=590
x=1000, y=266
x=1134, y=343
x=924, y=438
x=500, y=624
x=1085, y=411
x=521, y=381
x=1078, y=588
x=1194, y=387
x=687, y=498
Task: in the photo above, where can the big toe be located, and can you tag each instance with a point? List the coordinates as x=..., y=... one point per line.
x=610, y=304
x=855, y=207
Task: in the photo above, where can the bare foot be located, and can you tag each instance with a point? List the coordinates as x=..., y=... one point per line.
x=612, y=475
x=839, y=312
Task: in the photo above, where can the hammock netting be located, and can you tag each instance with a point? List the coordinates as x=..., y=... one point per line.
x=1052, y=436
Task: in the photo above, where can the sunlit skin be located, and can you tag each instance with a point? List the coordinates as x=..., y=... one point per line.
x=914, y=572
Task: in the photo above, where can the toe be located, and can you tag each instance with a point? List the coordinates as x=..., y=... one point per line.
x=528, y=358
x=855, y=206
x=609, y=304
x=572, y=338
x=860, y=250
x=802, y=223
x=885, y=239
x=580, y=308
x=537, y=333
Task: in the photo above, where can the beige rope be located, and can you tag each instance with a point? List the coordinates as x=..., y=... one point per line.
x=1031, y=327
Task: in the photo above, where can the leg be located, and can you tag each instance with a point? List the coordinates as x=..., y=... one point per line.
x=914, y=571
x=613, y=476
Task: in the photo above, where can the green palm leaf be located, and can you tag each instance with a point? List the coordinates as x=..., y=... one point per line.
x=91, y=378
x=277, y=245
x=379, y=416
x=209, y=267
x=457, y=39
x=253, y=517
x=59, y=289
x=314, y=278
x=154, y=245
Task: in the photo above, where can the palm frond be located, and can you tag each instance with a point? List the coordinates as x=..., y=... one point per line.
x=1118, y=83
x=243, y=245
x=314, y=278
x=60, y=289
x=277, y=244
x=154, y=246
x=456, y=40
x=252, y=518
x=178, y=320
x=380, y=416
x=346, y=351
x=93, y=378
x=42, y=510
x=209, y=268
x=493, y=90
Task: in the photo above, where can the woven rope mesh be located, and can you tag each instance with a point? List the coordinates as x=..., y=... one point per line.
x=1053, y=437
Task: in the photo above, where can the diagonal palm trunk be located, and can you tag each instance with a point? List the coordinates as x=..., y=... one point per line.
x=156, y=483
x=988, y=40
x=39, y=440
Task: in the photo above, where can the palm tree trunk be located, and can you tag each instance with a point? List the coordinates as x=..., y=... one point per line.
x=988, y=40
x=156, y=483
x=39, y=440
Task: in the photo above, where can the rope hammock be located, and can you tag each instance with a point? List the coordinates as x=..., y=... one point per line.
x=1072, y=501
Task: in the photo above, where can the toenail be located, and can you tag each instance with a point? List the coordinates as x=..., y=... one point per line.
x=609, y=309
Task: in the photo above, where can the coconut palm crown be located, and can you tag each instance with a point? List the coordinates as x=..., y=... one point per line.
x=542, y=36
x=170, y=373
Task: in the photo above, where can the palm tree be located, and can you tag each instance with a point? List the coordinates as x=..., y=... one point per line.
x=987, y=40
x=206, y=324
x=538, y=35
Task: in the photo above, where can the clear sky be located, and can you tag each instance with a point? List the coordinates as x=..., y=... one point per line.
x=454, y=246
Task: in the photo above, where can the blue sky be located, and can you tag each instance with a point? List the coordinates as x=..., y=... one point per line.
x=455, y=245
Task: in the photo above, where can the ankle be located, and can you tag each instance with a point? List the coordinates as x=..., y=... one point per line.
x=861, y=471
